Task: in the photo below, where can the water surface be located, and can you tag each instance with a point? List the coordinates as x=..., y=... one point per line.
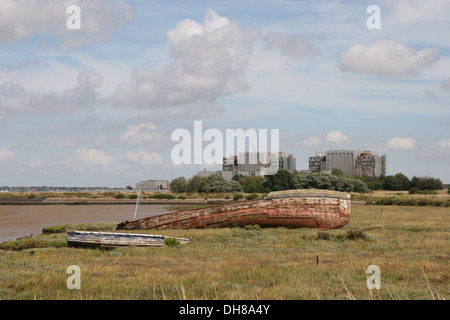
x=20, y=221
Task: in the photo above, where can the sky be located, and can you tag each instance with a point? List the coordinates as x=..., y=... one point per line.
x=97, y=105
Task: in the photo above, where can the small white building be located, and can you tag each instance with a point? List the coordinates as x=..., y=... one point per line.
x=153, y=185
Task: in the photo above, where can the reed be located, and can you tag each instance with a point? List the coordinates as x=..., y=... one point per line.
x=409, y=244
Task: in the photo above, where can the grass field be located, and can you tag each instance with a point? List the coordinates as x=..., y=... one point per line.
x=409, y=244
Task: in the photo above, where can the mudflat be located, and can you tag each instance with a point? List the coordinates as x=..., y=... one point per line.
x=20, y=221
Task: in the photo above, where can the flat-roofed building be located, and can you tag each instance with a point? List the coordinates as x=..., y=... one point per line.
x=154, y=185
x=351, y=162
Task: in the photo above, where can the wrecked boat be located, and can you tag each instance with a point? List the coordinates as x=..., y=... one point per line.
x=309, y=208
x=116, y=239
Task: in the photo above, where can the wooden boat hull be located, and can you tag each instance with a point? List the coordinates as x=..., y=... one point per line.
x=316, y=209
x=115, y=239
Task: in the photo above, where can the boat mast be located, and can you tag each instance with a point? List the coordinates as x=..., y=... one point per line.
x=138, y=200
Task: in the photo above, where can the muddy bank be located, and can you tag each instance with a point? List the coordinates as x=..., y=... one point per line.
x=20, y=221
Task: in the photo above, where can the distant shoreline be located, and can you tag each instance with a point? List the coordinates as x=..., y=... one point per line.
x=97, y=202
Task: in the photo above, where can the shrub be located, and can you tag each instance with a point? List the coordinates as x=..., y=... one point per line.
x=171, y=242
x=133, y=196
x=120, y=196
x=163, y=196
x=238, y=196
x=323, y=236
x=251, y=196
x=418, y=191
x=253, y=227
x=352, y=235
x=31, y=196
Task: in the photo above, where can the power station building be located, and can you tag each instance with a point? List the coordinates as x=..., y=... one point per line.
x=253, y=164
x=351, y=162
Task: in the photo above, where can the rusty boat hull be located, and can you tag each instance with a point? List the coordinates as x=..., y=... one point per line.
x=310, y=208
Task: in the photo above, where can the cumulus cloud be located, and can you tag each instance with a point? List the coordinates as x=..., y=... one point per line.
x=444, y=146
x=312, y=142
x=143, y=158
x=93, y=142
x=14, y=98
x=22, y=19
x=87, y=157
x=141, y=133
x=208, y=62
x=294, y=47
x=414, y=11
x=336, y=138
x=6, y=155
x=386, y=58
x=400, y=143
x=332, y=139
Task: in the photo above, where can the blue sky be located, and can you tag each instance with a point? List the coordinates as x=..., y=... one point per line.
x=97, y=106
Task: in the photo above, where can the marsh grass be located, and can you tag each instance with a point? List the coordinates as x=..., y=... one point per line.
x=409, y=244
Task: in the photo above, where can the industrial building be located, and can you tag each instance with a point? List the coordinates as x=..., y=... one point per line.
x=351, y=162
x=253, y=164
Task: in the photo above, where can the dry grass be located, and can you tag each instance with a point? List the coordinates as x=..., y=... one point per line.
x=409, y=244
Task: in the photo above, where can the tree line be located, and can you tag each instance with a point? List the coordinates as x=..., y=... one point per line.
x=285, y=180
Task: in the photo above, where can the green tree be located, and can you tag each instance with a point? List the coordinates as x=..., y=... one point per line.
x=252, y=184
x=194, y=184
x=179, y=185
x=426, y=183
x=218, y=184
x=337, y=172
x=282, y=180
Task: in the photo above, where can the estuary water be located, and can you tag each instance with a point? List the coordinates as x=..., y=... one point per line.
x=21, y=221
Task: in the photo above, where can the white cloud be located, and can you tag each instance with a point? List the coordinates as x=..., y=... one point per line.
x=294, y=47
x=386, y=58
x=444, y=146
x=312, y=142
x=6, y=155
x=413, y=11
x=332, y=139
x=15, y=98
x=400, y=143
x=143, y=158
x=98, y=141
x=86, y=157
x=208, y=62
x=21, y=19
x=336, y=138
x=141, y=133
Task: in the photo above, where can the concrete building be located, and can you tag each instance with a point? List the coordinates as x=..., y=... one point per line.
x=153, y=185
x=342, y=159
x=253, y=164
x=205, y=173
x=318, y=162
x=351, y=162
x=369, y=164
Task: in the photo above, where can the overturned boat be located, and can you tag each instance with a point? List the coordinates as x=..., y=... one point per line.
x=116, y=239
x=309, y=208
